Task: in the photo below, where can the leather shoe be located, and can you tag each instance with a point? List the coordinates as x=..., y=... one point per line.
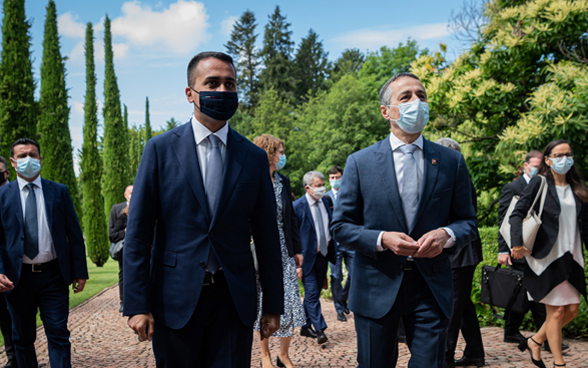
x=341, y=317
x=546, y=347
x=465, y=361
x=321, y=338
x=347, y=311
x=514, y=338
x=11, y=364
x=307, y=332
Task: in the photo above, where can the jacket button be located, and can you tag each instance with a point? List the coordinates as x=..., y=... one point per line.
x=202, y=264
x=402, y=267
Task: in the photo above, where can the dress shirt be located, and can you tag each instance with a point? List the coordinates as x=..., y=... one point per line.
x=46, y=249
x=418, y=155
x=311, y=201
x=335, y=192
x=203, y=145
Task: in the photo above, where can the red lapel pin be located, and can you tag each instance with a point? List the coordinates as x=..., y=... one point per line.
x=434, y=161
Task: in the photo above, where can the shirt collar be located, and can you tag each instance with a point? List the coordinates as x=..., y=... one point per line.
x=527, y=178
x=23, y=183
x=311, y=201
x=396, y=143
x=201, y=132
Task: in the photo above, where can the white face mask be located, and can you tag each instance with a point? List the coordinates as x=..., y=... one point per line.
x=319, y=192
x=414, y=116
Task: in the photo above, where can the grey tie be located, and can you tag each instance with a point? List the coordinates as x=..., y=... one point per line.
x=214, y=177
x=31, y=224
x=322, y=240
x=410, y=188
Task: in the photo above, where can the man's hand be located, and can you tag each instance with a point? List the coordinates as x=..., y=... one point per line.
x=399, y=243
x=299, y=273
x=143, y=325
x=5, y=283
x=519, y=252
x=298, y=259
x=268, y=324
x=504, y=259
x=431, y=244
x=78, y=285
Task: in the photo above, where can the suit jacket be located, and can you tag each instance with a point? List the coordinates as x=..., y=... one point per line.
x=289, y=217
x=510, y=190
x=549, y=229
x=369, y=202
x=66, y=233
x=169, y=196
x=116, y=232
x=308, y=234
x=470, y=254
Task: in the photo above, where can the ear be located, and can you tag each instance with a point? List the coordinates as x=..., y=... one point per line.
x=384, y=110
x=190, y=95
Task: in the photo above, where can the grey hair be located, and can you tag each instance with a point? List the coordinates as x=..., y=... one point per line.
x=386, y=91
x=309, y=177
x=449, y=143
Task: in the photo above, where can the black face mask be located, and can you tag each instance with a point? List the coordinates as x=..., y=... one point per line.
x=218, y=105
x=2, y=177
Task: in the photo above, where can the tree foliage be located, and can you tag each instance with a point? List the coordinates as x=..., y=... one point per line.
x=312, y=67
x=148, y=131
x=91, y=164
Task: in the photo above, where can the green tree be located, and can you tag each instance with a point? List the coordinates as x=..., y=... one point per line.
x=137, y=144
x=242, y=48
x=148, y=131
x=53, y=127
x=312, y=66
x=18, y=110
x=116, y=170
x=171, y=123
x=91, y=164
x=278, y=72
x=273, y=116
x=385, y=63
x=349, y=62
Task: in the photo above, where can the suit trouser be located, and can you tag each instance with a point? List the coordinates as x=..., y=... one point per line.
x=213, y=337
x=313, y=284
x=425, y=324
x=514, y=320
x=47, y=291
x=120, y=278
x=464, y=315
x=341, y=294
x=6, y=328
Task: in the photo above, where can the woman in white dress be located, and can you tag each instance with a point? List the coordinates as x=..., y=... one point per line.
x=554, y=272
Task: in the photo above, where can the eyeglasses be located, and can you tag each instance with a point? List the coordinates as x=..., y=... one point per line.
x=559, y=155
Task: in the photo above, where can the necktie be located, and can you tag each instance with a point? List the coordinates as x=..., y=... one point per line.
x=322, y=240
x=31, y=225
x=410, y=189
x=214, y=176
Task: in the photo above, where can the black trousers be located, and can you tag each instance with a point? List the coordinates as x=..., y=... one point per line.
x=6, y=328
x=514, y=320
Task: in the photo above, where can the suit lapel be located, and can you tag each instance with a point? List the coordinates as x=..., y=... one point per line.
x=16, y=201
x=49, y=198
x=430, y=172
x=307, y=213
x=385, y=159
x=184, y=147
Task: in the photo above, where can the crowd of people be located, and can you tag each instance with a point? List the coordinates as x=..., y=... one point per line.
x=214, y=246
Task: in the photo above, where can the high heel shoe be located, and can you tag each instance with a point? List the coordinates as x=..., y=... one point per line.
x=279, y=362
x=524, y=345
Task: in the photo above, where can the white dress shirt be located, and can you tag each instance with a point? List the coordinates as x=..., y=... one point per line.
x=203, y=145
x=311, y=201
x=46, y=248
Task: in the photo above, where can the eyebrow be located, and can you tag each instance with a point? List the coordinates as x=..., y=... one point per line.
x=218, y=78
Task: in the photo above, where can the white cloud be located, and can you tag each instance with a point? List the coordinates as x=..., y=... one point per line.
x=119, y=50
x=178, y=29
x=70, y=27
x=227, y=25
x=372, y=38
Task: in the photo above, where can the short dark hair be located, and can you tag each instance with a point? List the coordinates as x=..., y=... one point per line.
x=533, y=153
x=3, y=161
x=334, y=170
x=205, y=55
x=385, y=93
x=25, y=141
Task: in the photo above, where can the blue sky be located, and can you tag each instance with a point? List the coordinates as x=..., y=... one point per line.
x=154, y=40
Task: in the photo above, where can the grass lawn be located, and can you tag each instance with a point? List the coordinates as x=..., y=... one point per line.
x=100, y=278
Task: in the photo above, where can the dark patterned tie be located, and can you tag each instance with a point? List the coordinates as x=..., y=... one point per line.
x=214, y=177
x=31, y=224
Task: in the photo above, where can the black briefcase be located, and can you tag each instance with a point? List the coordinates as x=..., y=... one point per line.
x=503, y=288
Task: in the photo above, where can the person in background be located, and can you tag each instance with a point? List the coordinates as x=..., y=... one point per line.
x=344, y=253
x=117, y=227
x=554, y=272
x=465, y=318
x=291, y=254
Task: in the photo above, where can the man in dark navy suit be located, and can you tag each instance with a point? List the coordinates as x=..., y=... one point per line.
x=201, y=191
x=41, y=252
x=318, y=248
x=402, y=201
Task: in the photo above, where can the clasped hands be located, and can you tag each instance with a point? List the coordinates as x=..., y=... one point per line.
x=428, y=246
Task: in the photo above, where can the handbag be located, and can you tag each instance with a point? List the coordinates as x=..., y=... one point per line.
x=116, y=249
x=531, y=223
x=503, y=288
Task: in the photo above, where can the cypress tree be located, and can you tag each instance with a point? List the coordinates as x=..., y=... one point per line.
x=116, y=177
x=18, y=110
x=93, y=205
x=53, y=127
x=148, y=131
x=312, y=66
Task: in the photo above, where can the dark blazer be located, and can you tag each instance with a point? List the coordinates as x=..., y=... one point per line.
x=290, y=223
x=308, y=234
x=549, y=229
x=63, y=224
x=114, y=231
x=117, y=232
x=469, y=255
x=510, y=190
x=169, y=196
x=369, y=202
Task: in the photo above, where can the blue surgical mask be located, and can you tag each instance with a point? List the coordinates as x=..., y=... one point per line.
x=533, y=172
x=28, y=166
x=219, y=105
x=562, y=165
x=280, y=164
x=335, y=183
x=414, y=116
